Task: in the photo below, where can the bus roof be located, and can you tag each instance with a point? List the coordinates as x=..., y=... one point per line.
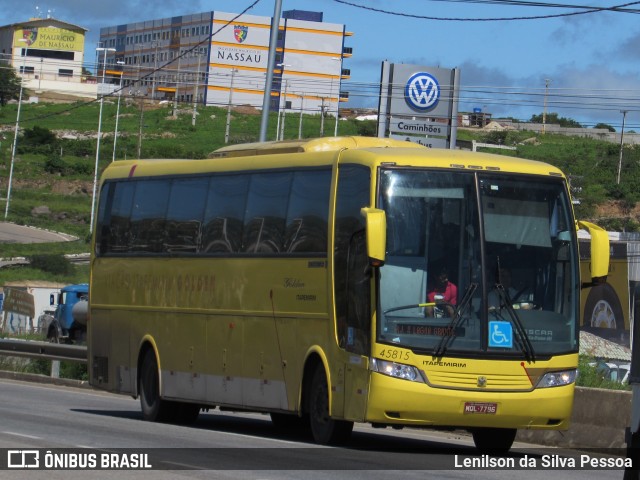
x=324, y=151
x=324, y=144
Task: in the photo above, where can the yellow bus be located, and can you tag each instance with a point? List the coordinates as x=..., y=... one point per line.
x=293, y=277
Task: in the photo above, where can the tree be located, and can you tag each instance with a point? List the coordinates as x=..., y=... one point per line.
x=9, y=83
x=605, y=126
x=553, y=118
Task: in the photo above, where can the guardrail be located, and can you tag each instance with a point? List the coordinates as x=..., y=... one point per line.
x=44, y=350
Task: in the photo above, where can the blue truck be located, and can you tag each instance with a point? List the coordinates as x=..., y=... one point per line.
x=68, y=324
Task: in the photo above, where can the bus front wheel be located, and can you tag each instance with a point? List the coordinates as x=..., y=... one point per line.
x=154, y=409
x=324, y=429
x=494, y=440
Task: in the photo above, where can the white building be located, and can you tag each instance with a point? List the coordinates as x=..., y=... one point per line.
x=222, y=60
x=48, y=54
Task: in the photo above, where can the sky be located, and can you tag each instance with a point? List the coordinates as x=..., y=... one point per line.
x=585, y=64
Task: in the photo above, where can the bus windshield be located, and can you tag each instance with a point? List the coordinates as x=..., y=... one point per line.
x=477, y=263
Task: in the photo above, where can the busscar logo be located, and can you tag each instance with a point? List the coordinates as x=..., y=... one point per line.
x=23, y=459
x=240, y=33
x=422, y=91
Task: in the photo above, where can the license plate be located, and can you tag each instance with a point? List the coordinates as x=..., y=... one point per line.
x=481, y=408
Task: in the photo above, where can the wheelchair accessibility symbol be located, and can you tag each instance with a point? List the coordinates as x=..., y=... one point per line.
x=500, y=334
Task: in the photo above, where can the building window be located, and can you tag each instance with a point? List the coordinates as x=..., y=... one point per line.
x=65, y=72
x=27, y=70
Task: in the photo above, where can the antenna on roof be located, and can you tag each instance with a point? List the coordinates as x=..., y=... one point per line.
x=50, y=12
x=37, y=11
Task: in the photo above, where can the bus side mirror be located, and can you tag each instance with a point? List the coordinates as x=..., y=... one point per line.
x=376, y=226
x=599, y=250
x=52, y=299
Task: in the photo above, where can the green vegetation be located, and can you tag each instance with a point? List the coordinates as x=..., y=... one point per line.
x=591, y=376
x=54, y=169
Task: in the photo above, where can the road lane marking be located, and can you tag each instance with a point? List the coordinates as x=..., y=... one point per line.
x=22, y=435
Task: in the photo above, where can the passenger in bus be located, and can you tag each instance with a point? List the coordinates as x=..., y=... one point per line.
x=442, y=291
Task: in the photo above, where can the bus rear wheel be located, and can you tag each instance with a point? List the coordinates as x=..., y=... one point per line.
x=324, y=429
x=494, y=440
x=154, y=409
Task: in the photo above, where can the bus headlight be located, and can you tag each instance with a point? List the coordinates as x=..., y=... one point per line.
x=557, y=379
x=396, y=370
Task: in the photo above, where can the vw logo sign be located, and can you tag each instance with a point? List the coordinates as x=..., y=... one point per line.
x=422, y=91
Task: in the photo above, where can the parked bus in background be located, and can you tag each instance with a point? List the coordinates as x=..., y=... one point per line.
x=608, y=309
x=292, y=277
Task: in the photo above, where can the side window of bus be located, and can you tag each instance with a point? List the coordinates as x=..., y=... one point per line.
x=148, y=215
x=265, y=217
x=306, y=229
x=119, y=226
x=183, y=226
x=104, y=219
x=224, y=214
x=352, y=286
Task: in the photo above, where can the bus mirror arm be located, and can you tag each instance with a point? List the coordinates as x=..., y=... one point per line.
x=595, y=281
x=376, y=227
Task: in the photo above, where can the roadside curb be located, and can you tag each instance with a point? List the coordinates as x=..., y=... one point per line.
x=35, y=378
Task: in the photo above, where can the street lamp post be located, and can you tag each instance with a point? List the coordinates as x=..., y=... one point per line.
x=624, y=115
x=95, y=171
x=15, y=134
x=115, y=134
x=175, y=96
x=195, y=93
x=279, y=133
x=155, y=70
x=337, y=59
x=300, y=122
x=322, y=118
x=226, y=130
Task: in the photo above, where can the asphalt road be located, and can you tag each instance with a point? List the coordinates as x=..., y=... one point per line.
x=12, y=233
x=235, y=446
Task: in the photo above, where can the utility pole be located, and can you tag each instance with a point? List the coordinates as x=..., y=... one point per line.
x=140, y=124
x=624, y=115
x=547, y=81
x=271, y=60
x=322, y=118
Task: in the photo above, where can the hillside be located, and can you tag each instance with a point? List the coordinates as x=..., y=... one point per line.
x=53, y=173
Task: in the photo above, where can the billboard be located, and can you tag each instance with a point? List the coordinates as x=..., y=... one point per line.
x=419, y=103
x=49, y=38
x=243, y=42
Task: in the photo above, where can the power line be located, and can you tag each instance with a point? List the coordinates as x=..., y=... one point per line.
x=618, y=8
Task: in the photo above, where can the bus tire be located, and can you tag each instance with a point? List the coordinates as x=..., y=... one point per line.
x=325, y=430
x=494, y=440
x=603, y=309
x=154, y=409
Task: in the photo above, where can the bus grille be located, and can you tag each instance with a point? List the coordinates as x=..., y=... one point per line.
x=484, y=382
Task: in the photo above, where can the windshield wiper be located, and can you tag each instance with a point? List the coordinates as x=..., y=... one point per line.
x=521, y=334
x=455, y=321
